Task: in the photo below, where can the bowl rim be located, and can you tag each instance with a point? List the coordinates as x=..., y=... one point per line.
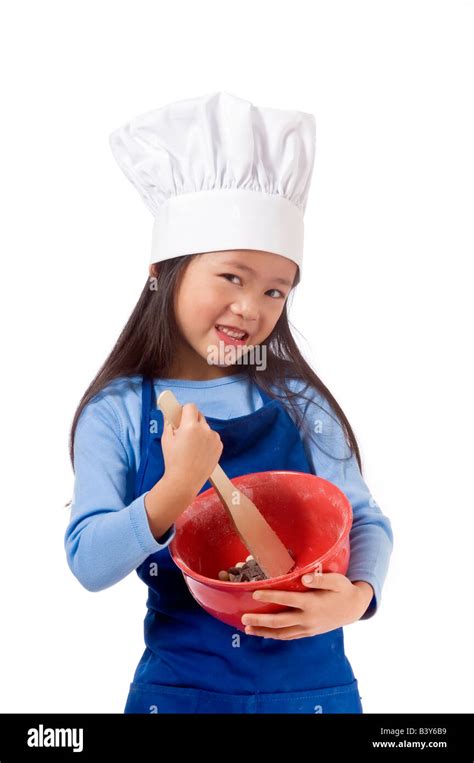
x=268, y=582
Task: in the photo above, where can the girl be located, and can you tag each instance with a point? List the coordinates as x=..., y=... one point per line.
x=227, y=183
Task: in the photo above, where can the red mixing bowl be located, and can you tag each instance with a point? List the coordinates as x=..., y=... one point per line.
x=311, y=516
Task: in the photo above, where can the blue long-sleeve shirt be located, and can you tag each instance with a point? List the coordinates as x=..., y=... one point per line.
x=109, y=536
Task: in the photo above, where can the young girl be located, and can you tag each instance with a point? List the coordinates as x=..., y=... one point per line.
x=227, y=183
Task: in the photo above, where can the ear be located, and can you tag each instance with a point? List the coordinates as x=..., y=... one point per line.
x=153, y=270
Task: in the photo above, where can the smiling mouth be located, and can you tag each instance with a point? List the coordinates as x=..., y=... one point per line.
x=231, y=335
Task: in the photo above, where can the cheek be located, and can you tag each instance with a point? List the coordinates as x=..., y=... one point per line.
x=210, y=303
x=197, y=310
x=271, y=314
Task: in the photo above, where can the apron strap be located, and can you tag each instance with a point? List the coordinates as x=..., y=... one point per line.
x=147, y=405
x=265, y=398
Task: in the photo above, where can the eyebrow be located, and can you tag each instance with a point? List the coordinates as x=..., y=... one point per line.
x=239, y=265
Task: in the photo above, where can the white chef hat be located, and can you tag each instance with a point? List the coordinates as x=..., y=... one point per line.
x=219, y=173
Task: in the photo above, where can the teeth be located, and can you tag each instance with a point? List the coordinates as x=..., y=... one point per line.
x=233, y=334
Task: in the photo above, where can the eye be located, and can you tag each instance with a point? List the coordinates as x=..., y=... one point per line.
x=278, y=292
x=229, y=275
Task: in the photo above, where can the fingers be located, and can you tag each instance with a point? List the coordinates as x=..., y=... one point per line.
x=272, y=619
x=191, y=414
x=294, y=599
x=281, y=634
x=330, y=581
x=190, y=417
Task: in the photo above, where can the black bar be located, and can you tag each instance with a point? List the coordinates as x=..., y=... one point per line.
x=307, y=738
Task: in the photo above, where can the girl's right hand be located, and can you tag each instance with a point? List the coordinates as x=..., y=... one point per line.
x=191, y=451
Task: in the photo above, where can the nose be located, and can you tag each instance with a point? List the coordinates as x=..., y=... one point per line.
x=246, y=308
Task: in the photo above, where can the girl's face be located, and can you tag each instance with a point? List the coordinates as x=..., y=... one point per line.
x=239, y=290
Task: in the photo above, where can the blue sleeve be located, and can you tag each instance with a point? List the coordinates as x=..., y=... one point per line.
x=371, y=536
x=108, y=535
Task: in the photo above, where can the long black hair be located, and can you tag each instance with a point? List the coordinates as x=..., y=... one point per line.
x=146, y=344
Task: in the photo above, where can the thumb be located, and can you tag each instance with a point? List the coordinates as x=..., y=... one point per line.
x=325, y=580
x=168, y=429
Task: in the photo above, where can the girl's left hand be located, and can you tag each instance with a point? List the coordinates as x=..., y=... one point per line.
x=337, y=602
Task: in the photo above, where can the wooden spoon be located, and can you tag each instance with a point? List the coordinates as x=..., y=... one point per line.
x=253, y=529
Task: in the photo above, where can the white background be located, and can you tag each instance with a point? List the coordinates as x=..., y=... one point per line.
x=384, y=310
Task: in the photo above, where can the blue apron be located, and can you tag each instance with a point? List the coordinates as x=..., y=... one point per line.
x=194, y=663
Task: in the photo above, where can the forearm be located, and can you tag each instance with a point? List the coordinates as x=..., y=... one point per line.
x=105, y=545
x=165, y=502
x=366, y=594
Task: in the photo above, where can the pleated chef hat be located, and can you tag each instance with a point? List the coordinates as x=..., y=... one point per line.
x=219, y=173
